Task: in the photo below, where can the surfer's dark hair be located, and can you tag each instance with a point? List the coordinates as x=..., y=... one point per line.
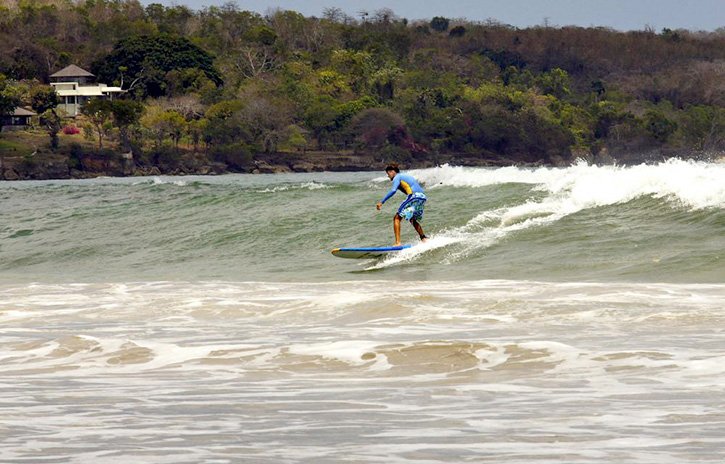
x=392, y=167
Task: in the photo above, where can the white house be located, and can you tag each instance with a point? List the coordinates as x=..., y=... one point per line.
x=75, y=86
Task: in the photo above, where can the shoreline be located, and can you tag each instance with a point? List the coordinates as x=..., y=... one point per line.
x=50, y=166
x=46, y=166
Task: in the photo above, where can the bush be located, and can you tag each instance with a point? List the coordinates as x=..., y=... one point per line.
x=659, y=126
x=165, y=157
x=374, y=127
x=71, y=130
x=76, y=150
x=393, y=152
x=27, y=164
x=458, y=31
x=108, y=153
x=76, y=154
x=439, y=23
x=236, y=156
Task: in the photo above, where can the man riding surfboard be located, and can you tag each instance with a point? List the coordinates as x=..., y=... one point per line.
x=411, y=209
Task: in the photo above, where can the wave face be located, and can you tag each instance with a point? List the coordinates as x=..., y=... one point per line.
x=661, y=222
x=556, y=315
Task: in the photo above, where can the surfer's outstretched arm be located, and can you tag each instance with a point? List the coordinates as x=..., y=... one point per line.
x=393, y=189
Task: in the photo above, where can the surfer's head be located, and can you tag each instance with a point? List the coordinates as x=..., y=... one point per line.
x=392, y=169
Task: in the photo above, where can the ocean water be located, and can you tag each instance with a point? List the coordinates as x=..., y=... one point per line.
x=557, y=315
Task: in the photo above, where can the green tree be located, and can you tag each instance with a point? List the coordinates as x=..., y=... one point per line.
x=43, y=98
x=555, y=82
x=224, y=126
x=384, y=82
x=320, y=117
x=9, y=97
x=183, y=81
x=172, y=19
x=439, y=24
x=44, y=101
x=151, y=122
x=196, y=129
x=294, y=138
x=598, y=88
x=659, y=126
x=99, y=112
x=704, y=127
x=52, y=123
x=126, y=113
x=164, y=124
x=175, y=126
x=263, y=34
x=357, y=65
x=147, y=60
x=608, y=115
x=332, y=83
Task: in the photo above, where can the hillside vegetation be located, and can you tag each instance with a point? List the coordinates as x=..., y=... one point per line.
x=233, y=85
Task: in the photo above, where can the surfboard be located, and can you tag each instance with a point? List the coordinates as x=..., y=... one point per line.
x=367, y=252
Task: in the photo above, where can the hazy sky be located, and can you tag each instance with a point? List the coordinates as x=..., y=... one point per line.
x=618, y=14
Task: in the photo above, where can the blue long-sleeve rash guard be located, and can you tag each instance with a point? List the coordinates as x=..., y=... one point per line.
x=405, y=183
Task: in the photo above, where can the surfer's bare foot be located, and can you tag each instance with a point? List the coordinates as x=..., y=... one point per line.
x=397, y=244
x=424, y=239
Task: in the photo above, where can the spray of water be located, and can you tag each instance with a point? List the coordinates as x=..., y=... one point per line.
x=685, y=184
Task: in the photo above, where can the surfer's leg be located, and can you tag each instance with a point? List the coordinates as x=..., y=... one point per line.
x=419, y=229
x=396, y=229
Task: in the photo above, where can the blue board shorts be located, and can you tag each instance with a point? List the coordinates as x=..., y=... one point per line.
x=412, y=207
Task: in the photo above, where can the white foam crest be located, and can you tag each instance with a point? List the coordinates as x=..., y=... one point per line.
x=472, y=237
x=410, y=254
x=98, y=355
x=573, y=189
x=459, y=176
x=696, y=184
x=348, y=351
x=312, y=185
x=492, y=356
x=161, y=181
x=315, y=186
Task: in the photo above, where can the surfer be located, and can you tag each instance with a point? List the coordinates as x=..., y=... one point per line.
x=411, y=209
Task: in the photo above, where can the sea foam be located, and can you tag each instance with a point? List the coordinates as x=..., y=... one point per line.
x=689, y=184
x=696, y=184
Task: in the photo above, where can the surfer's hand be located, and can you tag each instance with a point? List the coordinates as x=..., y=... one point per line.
x=379, y=205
